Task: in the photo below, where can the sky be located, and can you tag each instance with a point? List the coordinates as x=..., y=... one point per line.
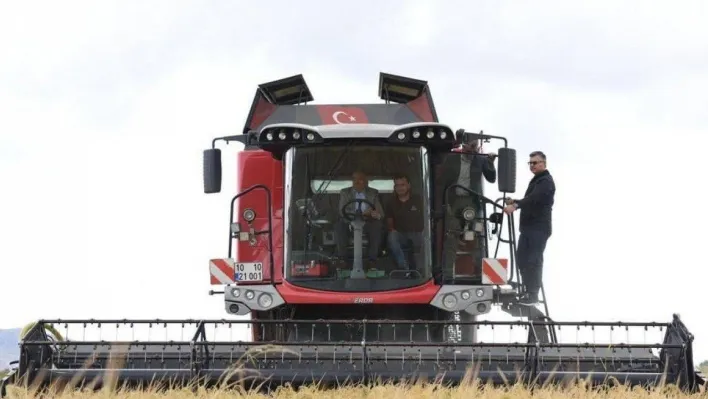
x=105, y=108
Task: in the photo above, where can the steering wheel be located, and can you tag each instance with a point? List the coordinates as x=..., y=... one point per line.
x=350, y=216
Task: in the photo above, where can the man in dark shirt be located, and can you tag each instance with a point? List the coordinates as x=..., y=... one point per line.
x=535, y=226
x=404, y=218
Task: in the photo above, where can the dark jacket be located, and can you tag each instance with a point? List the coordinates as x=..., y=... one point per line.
x=537, y=205
x=480, y=165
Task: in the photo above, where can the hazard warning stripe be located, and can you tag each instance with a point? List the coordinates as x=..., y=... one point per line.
x=221, y=271
x=494, y=271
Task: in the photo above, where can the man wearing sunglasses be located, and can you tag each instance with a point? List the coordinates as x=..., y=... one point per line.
x=535, y=225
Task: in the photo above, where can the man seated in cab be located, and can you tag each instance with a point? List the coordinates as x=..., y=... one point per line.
x=373, y=218
x=404, y=221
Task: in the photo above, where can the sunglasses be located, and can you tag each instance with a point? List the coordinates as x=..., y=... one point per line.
x=533, y=163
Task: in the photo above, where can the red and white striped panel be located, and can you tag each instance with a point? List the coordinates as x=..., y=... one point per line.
x=495, y=271
x=221, y=271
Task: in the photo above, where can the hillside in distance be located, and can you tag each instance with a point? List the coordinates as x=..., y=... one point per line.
x=9, y=351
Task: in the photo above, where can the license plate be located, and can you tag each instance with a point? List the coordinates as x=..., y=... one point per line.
x=248, y=271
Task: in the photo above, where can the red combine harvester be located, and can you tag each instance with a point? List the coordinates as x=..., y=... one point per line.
x=300, y=264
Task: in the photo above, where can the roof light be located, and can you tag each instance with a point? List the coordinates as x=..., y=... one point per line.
x=278, y=138
x=400, y=89
x=288, y=91
x=435, y=134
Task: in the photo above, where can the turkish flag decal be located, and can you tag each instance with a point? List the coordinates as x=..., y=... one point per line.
x=336, y=115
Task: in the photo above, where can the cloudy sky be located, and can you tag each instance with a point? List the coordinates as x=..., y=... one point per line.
x=105, y=108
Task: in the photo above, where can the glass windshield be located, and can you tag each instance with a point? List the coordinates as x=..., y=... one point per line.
x=331, y=244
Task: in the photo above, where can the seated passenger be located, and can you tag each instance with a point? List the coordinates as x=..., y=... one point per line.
x=373, y=226
x=405, y=221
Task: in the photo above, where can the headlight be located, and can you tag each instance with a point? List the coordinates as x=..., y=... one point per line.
x=449, y=301
x=249, y=215
x=250, y=295
x=401, y=136
x=443, y=135
x=465, y=295
x=282, y=135
x=416, y=134
x=236, y=292
x=310, y=136
x=480, y=292
x=296, y=135
x=265, y=300
x=468, y=214
x=430, y=134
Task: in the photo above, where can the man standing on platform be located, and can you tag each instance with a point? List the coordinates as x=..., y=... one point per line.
x=535, y=226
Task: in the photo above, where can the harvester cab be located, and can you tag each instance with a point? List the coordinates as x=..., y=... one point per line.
x=335, y=293
x=310, y=236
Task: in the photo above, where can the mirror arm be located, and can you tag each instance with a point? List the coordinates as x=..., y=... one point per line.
x=482, y=136
x=241, y=138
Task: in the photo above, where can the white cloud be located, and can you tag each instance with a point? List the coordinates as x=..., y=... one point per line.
x=104, y=112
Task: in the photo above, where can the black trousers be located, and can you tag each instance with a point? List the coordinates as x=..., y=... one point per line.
x=529, y=257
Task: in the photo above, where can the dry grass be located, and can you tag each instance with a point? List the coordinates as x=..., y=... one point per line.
x=384, y=391
x=469, y=388
x=411, y=390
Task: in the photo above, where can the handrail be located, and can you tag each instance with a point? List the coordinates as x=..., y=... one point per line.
x=270, y=224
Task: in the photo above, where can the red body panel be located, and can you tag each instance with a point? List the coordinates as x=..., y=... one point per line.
x=421, y=294
x=258, y=167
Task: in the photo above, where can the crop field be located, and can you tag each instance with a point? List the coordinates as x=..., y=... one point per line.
x=412, y=390
x=382, y=391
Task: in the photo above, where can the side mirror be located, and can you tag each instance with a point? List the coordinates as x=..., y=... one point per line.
x=507, y=170
x=212, y=171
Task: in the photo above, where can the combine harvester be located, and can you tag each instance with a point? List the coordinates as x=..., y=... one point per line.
x=329, y=319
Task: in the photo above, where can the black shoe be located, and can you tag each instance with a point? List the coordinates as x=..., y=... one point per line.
x=527, y=299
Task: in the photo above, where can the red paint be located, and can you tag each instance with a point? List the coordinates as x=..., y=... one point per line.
x=335, y=115
x=261, y=111
x=298, y=295
x=258, y=167
x=421, y=106
x=224, y=267
x=491, y=274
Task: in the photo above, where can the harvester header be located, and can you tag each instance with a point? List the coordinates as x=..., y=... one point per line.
x=361, y=249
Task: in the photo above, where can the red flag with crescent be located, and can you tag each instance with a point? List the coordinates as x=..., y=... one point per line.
x=337, y=115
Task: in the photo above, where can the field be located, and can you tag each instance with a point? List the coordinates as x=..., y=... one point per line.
x=389, y=391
